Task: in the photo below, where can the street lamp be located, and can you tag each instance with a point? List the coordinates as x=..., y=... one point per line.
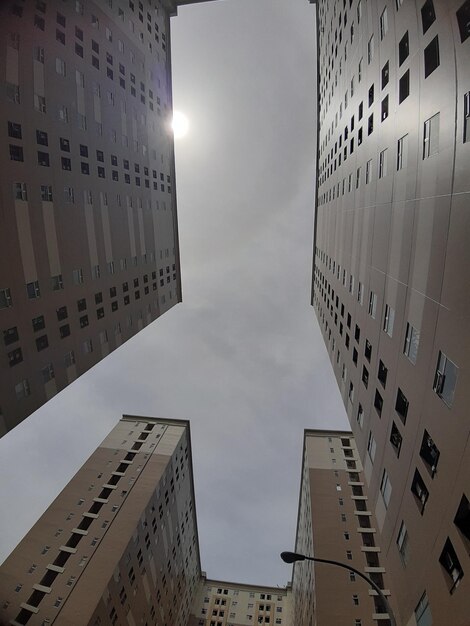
x=292, y=557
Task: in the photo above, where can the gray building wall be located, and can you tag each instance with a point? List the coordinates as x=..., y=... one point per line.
x=391, y=275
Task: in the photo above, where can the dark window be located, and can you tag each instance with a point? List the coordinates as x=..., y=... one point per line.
x=355, y=355
x=368, y=350
x=125, y=164
x=384, y=108
x=95, y=46
x=396, y=439
x=428, y=15
x=95, y=62
x=64, y=331
x=101, y=172
x=98, y=297
x=109, y=58
x=109, y=73
x=361, y=110
x=100, y=313
x=15, y=357
x=114, y=160
x=14, y=130
x=60, y=19
x=79, y=50
x=365, y=376
x=84, y=151
x=357, y=333
x=463, y=18
x=451, y=564
x=385, y=74
x=462, y=518
x=370, y=124
x=39, y=22
x=466, y=115
x=419, y=489
x=136, y=282
x=431, y=57
x=42, y=343
x=62, y=313
x=114, y=304
x=64, y=144
x=112, y=292
x=404, y=87
x=114, y=174
x=84, y=321
x=10, y=335
x=43, y=159
x=126, y=300
x=60, y=36
x=16, y=153
x=371, y=95
x=403, y=48
x=429, y=453
x=38, y=323
x=81, y=304
x=125, y=287
x=66, y=164
x=445, y=379
x=401, y=405
x=41, y=138
x=382, y=374
x=378, y=403
x=85, y=168
x=78, y=33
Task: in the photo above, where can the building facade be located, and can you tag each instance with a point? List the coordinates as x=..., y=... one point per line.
x=220, y=603
x=391, y=276
x=88, y=221
x=119, y=545
x=335, y=522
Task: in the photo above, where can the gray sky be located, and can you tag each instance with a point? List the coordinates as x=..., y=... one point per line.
x=242, y=357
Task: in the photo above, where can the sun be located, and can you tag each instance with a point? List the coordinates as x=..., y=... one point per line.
x=180, y=125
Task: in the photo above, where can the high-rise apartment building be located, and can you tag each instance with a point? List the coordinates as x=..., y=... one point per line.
x=391, y=276
x=335, y=522
x=119, y=544
x=220, y=603
x=88, y=221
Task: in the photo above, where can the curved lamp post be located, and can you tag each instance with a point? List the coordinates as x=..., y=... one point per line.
x=292, y=557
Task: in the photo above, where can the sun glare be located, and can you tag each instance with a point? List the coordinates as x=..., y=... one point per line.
x=180, y=125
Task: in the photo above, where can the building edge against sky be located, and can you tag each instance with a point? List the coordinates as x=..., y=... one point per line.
x=391, y=274
x=88, y=193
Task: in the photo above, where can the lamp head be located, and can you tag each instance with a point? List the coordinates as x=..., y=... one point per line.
x=292, y=557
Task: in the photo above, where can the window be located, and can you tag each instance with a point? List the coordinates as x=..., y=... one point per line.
x=10, y=335
x=401, y=405
x=57, y=282
x=396, y=439
x=32, y=289
x=451, y=565
x=360, y=416
x=77, y=276
x=423, y=612
x=371, y=447
x=463, y=19
x=403, y=49
x=382, y=373
x=429, y=452
x=42, y=343
x=371, y=94
x=378, y=403
x=402, y=543
x=383, y=23
x=20, y=191
x=373, y=300
x=46, y=193
x=410, y=349
x=16, y=153
x=385, y=74
x=445, y=379
x=370, y=125
x=382, y=166
x=47, y=373
x=64, y=331
x=466, y=111
x=68, y=194
x=462, y=518
x=368, y=179
x=349, y=555
x=418, y=487
x=431, y=57
x=63, y=113
x=43, y=159
x=389, y=319
x=15, y=357
x=428, y=15
x=60, y=66
x=402, y=161
x=14, y=130
x=355, y=599
x=384, y=108
x=370, y=49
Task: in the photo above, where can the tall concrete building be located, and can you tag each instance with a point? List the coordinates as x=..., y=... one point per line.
x=220, y=603
x=119, y=544
x=391, y=275
x=88, y=220
x=335, y=522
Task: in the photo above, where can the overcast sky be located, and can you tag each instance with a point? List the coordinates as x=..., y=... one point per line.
x=242, y=357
